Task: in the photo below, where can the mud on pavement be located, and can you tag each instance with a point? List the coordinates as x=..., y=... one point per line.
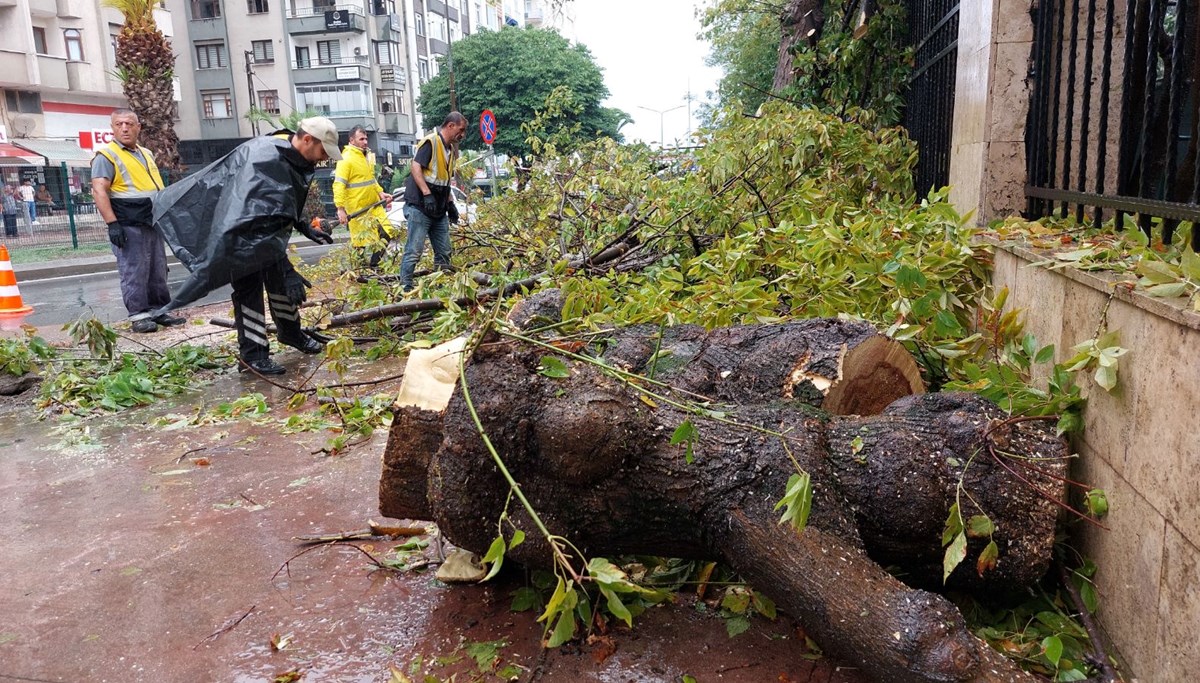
x=132, y=552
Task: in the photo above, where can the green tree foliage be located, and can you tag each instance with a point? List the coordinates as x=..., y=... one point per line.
x=743, y=36
x=512, y=72
x=854, y=71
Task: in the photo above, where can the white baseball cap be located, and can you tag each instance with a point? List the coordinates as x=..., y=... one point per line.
x=323, y=129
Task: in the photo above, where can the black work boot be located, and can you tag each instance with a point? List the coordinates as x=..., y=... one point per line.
x=306, y=344
x=262, y=366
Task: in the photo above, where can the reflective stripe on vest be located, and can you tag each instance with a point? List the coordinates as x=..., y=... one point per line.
x=441, y=165
x=134, y=179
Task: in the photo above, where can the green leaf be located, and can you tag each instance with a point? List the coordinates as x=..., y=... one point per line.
x=1087, y=592
x=1045, y=354
x=525, y=599
x=736, y=626
x=616, y=607
x=763, y=605
x=1168, y=290
x=1189, y=262
x=797, y=501
x=564, y=629
x=1052, y=648
x=979, y=526
x=686, y=433
x=558, y=598
x=495, y=555
x=1097, y=502
x=987, y=558
x=955, y=554
x=518, y=538
x=553, y=367
x=954, y=525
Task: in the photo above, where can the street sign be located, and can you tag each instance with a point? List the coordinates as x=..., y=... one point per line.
x=487, y=126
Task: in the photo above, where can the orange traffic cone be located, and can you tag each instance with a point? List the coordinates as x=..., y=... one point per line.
x=12, y=309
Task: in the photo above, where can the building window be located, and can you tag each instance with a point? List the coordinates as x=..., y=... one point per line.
x=303, y=61
x=217, y=104
x=39, y=40
x=329, y=52
x=386, y=52
x=206, y=9
x=74, y=42
x=257, y=6
x=419, y=23
x=335, y=100
x=436, y=27
x=391, y=102
x=423, y=69
x=23, y=101
x=211, y=56
x=268, y=101
x=383, y=7
x=264, y=51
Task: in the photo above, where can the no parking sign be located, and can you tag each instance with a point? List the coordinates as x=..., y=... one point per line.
x=487, y=126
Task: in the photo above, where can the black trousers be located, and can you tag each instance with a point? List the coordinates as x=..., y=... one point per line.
x=250, y=317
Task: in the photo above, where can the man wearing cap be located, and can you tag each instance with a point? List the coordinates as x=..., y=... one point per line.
x=428, y=205
x=124, y=181
x=230, y=224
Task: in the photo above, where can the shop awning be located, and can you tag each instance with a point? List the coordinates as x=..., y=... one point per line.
x=15, y=156
x=57, y=151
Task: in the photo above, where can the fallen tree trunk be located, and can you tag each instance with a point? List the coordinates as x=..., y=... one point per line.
x=597, y=464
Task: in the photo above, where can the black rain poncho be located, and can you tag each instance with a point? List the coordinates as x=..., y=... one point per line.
x=235, y=216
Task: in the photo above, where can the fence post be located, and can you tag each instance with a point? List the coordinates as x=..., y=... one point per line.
x=70, y=207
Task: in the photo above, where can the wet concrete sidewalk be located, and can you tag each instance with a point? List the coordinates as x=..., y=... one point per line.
x=132, y=552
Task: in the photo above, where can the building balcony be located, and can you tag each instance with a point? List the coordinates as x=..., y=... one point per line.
x=43, y=8
x=69, y=9
x=8, y=3
x=338, y=19
x=395, y=123
x=53, y=72
x=15, y=67
x=438, y=47
x=347, y=69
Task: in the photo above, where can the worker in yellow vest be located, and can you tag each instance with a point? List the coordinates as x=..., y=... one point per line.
x=354, y=189
x=124, y=179
x=428, y=205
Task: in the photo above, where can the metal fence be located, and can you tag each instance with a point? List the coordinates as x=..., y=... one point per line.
x=929, y=105
x=1113, y=121
x=63, y=217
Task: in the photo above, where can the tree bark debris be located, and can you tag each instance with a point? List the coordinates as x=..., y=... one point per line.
x=596, y=461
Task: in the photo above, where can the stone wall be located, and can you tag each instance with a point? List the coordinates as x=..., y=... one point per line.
x=1141, y=444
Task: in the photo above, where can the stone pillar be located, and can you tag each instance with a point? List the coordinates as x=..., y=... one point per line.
x=987, y=162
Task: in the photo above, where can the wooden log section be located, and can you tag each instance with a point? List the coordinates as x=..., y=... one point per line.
x=596, y=463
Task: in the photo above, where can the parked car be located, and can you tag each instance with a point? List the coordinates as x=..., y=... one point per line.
x=466, y=208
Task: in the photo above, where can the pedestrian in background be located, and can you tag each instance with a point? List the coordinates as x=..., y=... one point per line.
x=428, y=205
x=354, y=189
x=124, y=181
x=27, y=199
x=10, y=211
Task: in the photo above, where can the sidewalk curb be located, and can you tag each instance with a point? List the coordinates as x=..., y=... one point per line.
x=29, y=272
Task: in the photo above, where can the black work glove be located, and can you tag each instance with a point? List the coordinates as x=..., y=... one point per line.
x=315, y=234
x=429, y=205
x=452, y=212
x=296, y=287
x=116, y=234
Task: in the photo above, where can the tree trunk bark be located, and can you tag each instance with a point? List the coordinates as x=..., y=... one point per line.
x=596, y=462
x=801, y=23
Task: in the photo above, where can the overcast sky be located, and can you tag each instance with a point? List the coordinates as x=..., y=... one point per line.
x=650, y=56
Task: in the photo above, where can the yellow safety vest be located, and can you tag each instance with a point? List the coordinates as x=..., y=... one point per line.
x=354, y=188
x=441, y=163
x=133, y=179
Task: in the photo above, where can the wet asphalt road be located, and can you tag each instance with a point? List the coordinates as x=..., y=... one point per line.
x=60, y=300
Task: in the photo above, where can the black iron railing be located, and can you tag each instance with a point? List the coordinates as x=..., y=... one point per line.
x=1113, y=122
x=929, y=105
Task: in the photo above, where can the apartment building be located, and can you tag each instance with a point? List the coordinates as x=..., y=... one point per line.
x=242, y=61
x=56, y=64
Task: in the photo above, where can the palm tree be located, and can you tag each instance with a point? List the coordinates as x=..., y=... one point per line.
x=146, y=68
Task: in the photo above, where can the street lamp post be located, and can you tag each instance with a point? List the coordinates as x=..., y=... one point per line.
x=661, y=113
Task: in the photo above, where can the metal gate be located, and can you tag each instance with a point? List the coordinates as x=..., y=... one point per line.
x=1113, y=121
x=929, y=106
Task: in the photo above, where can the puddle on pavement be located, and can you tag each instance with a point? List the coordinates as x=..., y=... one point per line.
x=138, y=554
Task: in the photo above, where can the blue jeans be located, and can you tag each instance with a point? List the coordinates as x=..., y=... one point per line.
x=421, y=226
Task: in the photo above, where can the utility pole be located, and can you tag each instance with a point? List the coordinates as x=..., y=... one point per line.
x=250, y=88
x=450, y=65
